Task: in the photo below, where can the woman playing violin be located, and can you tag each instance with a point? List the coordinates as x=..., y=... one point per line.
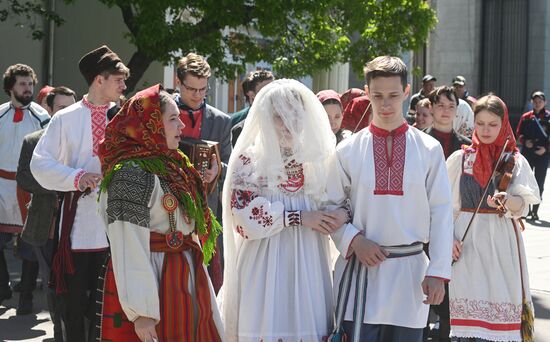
x=489, y=291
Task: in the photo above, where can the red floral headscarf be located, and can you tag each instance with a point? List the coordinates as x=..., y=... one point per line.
x=137, y=133
x=487, y=154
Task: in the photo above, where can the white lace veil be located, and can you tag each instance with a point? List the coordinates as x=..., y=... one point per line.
x=286, y=121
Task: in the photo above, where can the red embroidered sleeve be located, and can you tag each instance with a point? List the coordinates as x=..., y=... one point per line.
x=241, y=198
x=254, y=217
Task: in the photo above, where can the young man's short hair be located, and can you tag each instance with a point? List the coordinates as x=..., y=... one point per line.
x=254, y=78
x=17, y=70
x=117, y=69
x=424, y=103
x=386, y=66
x=448, y=92
x=193, y=64
x=50, y=98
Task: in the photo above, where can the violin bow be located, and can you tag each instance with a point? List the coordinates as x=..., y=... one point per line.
x=486, y=189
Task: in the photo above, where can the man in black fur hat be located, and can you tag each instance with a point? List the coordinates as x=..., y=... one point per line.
x=66, y=160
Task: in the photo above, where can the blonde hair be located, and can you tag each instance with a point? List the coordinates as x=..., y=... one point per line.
x=193, y=64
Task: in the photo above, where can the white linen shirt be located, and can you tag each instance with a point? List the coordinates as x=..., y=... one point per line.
x=64, y=152
x=422, y=212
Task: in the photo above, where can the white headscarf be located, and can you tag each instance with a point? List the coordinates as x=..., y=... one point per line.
x=286, y=121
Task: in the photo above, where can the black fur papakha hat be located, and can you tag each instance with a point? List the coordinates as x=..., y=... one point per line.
x=97, y=61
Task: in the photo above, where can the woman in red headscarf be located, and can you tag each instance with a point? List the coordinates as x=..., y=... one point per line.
x=160, y=229
x=489, y=291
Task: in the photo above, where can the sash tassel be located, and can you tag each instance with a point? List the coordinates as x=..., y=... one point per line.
x=62, y=261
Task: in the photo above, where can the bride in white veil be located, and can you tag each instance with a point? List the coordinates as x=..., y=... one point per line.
x=277, y=277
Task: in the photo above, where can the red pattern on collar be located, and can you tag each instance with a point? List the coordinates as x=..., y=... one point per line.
x=388, y=169
x=99, y=121
x=377, y=131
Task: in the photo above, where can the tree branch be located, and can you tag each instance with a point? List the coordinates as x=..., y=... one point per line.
x=128, y=17
x=138, y=65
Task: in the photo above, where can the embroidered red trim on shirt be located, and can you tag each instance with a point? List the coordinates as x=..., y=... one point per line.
x=389, y=169
x=99, y=121
x=384, y=133
x=77, y=178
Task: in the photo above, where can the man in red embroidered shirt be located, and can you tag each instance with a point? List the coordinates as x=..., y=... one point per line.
x=204, y=122
x=399, y=193
x=65, y=160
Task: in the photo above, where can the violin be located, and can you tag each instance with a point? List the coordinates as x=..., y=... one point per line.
x=504, y=172
x=503, y=177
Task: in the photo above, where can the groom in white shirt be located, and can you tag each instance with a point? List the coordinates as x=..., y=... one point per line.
x=396, y=180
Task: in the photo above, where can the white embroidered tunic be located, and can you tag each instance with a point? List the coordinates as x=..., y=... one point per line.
x=397, y=198
x=64, y=153
x=12, y=135
x=281, y=289
x=486, y=291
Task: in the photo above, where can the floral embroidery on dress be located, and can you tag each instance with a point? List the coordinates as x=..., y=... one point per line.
x=483, y=310
x=241, y=198
x=295, y=177
x=261, y=216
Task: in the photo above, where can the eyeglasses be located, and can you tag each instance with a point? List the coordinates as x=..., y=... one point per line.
x=200, y=91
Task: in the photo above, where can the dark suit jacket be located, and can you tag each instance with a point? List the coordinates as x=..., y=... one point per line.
x=44, y=202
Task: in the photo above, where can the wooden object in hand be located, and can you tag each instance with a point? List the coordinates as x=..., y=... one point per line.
x=200, y=154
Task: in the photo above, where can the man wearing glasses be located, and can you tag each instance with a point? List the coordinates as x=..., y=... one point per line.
x=205, y=122
x=201, y=120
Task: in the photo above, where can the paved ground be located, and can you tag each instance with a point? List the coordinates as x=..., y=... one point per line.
x=37, y=327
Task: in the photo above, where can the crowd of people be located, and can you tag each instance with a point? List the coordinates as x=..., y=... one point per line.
x=342, y=216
